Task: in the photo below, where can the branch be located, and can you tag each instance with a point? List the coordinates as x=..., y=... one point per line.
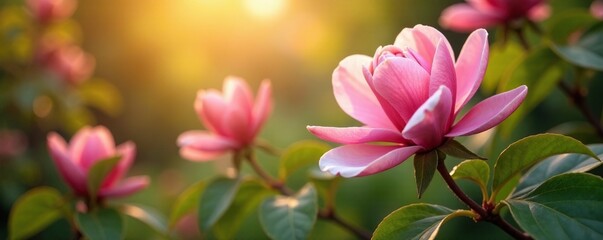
x=580, y=102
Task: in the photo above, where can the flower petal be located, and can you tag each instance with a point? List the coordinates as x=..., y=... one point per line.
x=403, y=83
x=209, y=106
x=72, y=174
x=363, y=159
x=423, y=39
x=471, y=67
x=197, y=155
x=463, y=17
x=354, y=95
x=90, y=145
x=431, y=121
x=489, y=112
x=205, y=141
x=237, y=92
x=442, y=72
x=263, y=106
x=351, y=135
x=127, y=151
x=126, y=187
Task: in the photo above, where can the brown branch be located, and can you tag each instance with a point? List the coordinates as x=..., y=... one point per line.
x=576, y=96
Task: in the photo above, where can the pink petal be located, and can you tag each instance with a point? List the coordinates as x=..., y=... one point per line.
x=443, y=72
x=205, y=141
x=431, y=121
x=471, y=67
x=403, y=83
x=92, y=145
x=263, y=106
x=489, y=112
x=362, y=159
x=423, y=39
x=237, y=125
x=353, y=94
x=72, y=174
x=541, y=12
x=127, y=151
x=393, y=115
x=465, y=18
x=352, y=135
x=210, y=105
x=194, y=154
x=126, y=187
x=237, y=91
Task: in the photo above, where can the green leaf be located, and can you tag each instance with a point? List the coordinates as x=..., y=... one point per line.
x=425, y=166
x=216, y=199
x=504, y=57
x=186, y=202
x=301, y=154
x=567, y=206
x=456, y=149
x=557, y=165
x=284, y=217
x=540, y=72
x=34, y=211
x=101, y=94
x=98, y=172
x=567, y=23
x=474, y=170
x=248, y=198
x=527, y=152
x=148, y=216
x=587, y=52
x=415, y=221
x=100, y=224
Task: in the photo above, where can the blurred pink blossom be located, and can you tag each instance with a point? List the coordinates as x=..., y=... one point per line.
x=68, y=61
x=476, y=14
x=232, y=118
x=12, y=143
x=50, y=10
x=596, y=9
x=88, y=146
x=408, y=97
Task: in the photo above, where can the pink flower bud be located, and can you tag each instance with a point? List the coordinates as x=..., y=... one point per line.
x=67, y=61
x=232, y=119
x=88, y=146
x=50, y=10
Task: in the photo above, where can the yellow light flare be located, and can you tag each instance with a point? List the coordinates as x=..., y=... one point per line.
x=265, y=9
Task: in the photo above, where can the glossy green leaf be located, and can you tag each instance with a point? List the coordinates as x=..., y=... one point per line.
x=290, y=218
x=148, y=216
x=456, y=149
x=415, y=221
x=474, y=170
x=301, y=154
x=527, y=152
x=102, y=95
x=556, y=165
x=567, y=206
x=216, y=199
x=98, y=172
x=502, y=60
x=186, y=202
x=248, y=198
x=587, y=52
x=34, y=211
x=540, y=72
x=100, y=224
x=425, y=166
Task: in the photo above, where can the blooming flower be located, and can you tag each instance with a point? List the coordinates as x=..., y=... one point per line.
x=68, y=61
x=48, y=10
x=232, y=119
x=486, y=13
x=88, y=146
x=408, y=97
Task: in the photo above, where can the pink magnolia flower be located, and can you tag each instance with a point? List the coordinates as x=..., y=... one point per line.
x=88, y=146
x=68, y=61
x=49, y=10
x=232, y=119
x=486, y=13
x=596, y=9
x=408, y=97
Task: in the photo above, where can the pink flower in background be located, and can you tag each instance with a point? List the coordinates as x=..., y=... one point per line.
x=476, y=14
x=68, y=61
x=88, y=146
x=232, y=118
x=408, y=97
x=596, y=9
x=49, y=10
x=12, y=143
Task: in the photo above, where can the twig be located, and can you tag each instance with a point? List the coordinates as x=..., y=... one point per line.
x=485, y=215
x=578, y=99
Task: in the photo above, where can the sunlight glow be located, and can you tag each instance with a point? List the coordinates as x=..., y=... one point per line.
x=265, y=8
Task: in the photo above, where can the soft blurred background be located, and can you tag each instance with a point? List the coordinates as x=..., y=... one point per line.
x=157, y=54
